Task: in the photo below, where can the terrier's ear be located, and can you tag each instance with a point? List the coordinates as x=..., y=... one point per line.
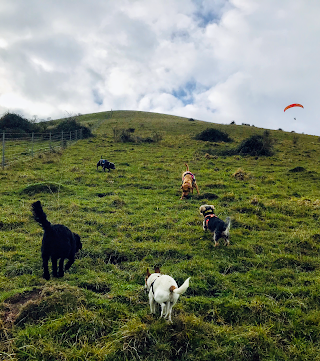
x=156, y=269
x=148, y=273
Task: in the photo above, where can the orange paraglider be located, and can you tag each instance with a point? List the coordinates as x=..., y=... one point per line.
x=293, y=105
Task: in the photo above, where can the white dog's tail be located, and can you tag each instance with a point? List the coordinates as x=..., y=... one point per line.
x=182, y=289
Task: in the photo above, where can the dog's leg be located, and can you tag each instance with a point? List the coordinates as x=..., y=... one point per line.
x=54, y=266
x=61, y=272
x=163, y=310
x=169, y=311
x=197, y=188
x=204, y=225
x=69, y=263
x=215, y=240
x=152, y=303
x=46, y=274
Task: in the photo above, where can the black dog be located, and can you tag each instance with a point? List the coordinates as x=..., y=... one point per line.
x=215, y=225
x=105, y=164
x=58, y=243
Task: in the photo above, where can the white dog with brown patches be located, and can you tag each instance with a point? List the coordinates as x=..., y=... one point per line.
x=163, y=290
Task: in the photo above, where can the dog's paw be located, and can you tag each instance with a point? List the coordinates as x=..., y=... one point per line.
x=46, y=276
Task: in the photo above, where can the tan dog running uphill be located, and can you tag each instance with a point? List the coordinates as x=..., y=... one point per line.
x=188, y=183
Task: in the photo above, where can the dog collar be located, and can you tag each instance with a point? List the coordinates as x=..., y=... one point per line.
x=153, y=283
x=192, y=176
x=208, y=217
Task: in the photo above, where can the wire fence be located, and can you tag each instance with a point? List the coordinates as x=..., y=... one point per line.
x=21, y=146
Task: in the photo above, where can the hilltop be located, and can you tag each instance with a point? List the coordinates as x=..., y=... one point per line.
x=257, y=299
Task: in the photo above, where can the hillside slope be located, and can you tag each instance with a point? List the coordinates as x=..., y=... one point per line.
x=257, y=299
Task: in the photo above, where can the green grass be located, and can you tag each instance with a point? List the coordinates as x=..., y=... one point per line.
x=257, y=299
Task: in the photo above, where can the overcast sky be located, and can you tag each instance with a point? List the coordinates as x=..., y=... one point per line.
x=213, y=60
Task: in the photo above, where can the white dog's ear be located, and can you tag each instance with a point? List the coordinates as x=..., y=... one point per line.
x=148, y=273
x=156, y=269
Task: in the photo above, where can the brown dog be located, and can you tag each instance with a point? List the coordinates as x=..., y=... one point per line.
x=188, y=183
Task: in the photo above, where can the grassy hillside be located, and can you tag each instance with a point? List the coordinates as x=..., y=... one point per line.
x=257, y=299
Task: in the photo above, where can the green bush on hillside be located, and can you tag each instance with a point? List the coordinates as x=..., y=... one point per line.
x=257, y=145
x=70, y=125
x=126, y=136
x=213, y=135
x=14, y=123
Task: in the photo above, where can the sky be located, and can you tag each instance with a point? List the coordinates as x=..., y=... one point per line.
x=214, y=60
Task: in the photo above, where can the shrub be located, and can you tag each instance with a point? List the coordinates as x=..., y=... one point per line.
x=14, y=123
x=213, y=135
x=126, y=136
x=71, y=124
x=257, y=145
x=297, y=170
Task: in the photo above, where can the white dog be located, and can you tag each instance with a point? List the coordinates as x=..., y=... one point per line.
x=163, y=290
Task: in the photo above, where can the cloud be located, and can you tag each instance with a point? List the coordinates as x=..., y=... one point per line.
x=214, y=60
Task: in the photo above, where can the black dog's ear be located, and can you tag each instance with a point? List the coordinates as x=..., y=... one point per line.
x=78, y=242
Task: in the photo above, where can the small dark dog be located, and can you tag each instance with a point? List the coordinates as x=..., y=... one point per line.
x=105, y=164
x=216, y=226
x=58, y=243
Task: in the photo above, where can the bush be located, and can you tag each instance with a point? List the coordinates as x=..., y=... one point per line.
x=126, y=136
x=257, y=145
x=213, y=135
x=70, y=125
x=14, y=123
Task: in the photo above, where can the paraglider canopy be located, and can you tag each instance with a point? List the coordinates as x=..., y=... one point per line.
x=293, y=105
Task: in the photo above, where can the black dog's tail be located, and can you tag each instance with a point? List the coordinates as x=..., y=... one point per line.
x=40, y=216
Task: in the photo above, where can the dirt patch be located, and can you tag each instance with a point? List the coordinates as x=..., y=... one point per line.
x=240, y=174
x=209, y=196
x=46, y=187
x=13, y=305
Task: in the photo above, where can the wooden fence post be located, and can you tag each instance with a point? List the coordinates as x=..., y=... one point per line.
x=32, y=138
x=3, y=147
